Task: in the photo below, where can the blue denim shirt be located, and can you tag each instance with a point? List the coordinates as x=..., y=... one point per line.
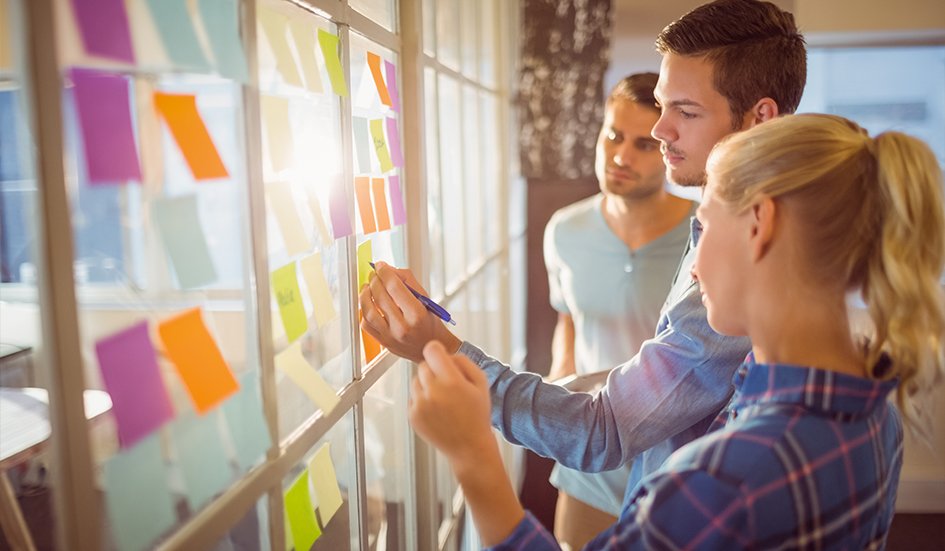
x=662, y=398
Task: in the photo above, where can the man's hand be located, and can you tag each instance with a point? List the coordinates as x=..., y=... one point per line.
x=393, y=316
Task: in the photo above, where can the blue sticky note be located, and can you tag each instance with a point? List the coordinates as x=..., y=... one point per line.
x=201, y=458
x=139, y=504
x=174, y=24
x=246, y=422
x=221, y=21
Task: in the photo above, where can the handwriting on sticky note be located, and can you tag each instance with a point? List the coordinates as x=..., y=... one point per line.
x=329, y=46
x=380, y=204
x=285, y=286
x=199, y=362
x=129, y=368
x=300, y=513
x=325, y=483
x=380, y=144
x=318, y=290
x=291, y=362
x=178, y=223
x=180, y=113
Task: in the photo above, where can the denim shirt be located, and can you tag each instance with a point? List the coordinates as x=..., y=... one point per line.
x=662, y=398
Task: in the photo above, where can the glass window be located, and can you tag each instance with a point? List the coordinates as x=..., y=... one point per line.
x=379, y=11
x=451, y=183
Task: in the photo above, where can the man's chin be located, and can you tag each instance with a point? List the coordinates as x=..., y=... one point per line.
x=682, y=179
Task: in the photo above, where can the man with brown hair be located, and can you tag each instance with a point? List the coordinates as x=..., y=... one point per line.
x=727, y=65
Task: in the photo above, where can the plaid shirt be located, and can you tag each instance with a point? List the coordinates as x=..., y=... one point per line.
x=801, y=459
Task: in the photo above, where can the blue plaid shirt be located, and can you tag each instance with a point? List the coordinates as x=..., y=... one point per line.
x=801, y=459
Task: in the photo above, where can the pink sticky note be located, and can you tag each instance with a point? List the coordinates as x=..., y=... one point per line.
x=393, y=141
x=105, y=119
x=397, y=200
x=103, y=25
x=391, y=73
x=338, y=204
x=132, y=378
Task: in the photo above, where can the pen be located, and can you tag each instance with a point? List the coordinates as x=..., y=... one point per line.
x=429, y=304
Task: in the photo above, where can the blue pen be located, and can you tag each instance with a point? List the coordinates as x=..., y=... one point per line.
x=429, y=304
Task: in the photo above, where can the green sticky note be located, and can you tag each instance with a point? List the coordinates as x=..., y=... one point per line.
x=285, y=287
x=140, y=507
x=301, y=514
x=329, y=45
x=178, y=223
x=247, y=423
x=201, y=458
x=174, y=23
x=365, y=257
x=221, y=21
x=380, y=145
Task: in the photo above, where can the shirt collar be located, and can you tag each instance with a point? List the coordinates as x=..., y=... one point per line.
x=695, y=232
x=817, y=389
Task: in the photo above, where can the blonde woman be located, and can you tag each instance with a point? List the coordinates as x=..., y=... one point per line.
x=797, y=212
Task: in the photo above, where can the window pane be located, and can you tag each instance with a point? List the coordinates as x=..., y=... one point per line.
x=434, y=197
x=469, y=30
x=488, y=64
x=492, y=178
x=429, y=27
x=473, y=184
x=379, y=11
x=451, y=155
x=447, y=32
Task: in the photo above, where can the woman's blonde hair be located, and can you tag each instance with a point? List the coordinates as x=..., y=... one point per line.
x=872, y=217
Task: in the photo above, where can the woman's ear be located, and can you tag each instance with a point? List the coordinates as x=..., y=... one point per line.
x=763, y=216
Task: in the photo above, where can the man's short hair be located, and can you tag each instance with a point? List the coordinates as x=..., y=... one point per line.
x=755, y=48
x=637, y=88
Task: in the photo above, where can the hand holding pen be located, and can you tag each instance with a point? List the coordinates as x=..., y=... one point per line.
x=429, y=304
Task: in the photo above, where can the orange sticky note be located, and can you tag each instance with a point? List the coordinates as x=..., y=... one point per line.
x=362, y=188
x=380, y=204
x=180, y=113
x=200, y=364
x=370, y=346
x=374, y=62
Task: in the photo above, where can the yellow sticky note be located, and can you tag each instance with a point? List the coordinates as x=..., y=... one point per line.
x=285, y=287
x=282, y=202
x=291, y=362
x=329, y=45
x=274, y=26
x=300, y=514
x=200, y=364
x=380, y=144
x=365, y=257
x=318, y=290
x=325, y=483
x=279, y=146
x=315, y=206
x=304, y=37
x=6, y=38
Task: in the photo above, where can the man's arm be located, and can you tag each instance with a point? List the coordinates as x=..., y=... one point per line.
x=562, y=349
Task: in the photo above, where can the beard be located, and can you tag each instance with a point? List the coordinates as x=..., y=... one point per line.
x=687, y=180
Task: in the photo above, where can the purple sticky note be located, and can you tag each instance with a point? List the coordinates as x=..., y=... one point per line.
x=103, y=25
x=338, y=204
x=393, y=142
x=391, y=73
x=397, y=201
x=132, y=378
x=105, y=119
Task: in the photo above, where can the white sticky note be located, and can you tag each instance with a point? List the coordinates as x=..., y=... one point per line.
x=291, y=362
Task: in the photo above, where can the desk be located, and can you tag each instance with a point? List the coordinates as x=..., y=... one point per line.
x=24, y=432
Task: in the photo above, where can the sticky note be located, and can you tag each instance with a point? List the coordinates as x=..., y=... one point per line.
x=380, y=204
x=274, y=26
x=362, y=189
x=178, y=223
x=362, y=144
x=105, y=118
x=221, y=21
x=247, y=422
x=392, y=88
x=329, y=45
x=380, y=145
x=393, y=138
x=282, y=202
x=338, y=205
x=132, y=378
x=200, y=364
x=304, y=37
x=318, y=290
x=175, y=25
x=301, y=514
x=397, y=240
x=279, y=147
x=180, y=113
x=397, y=201
x=370, y=347
x=285, y=287
x=374, y=62
x=291, y=362
x=325, y=483
x=365, y=257
x=315, y=206
x=6, y=37
x=139, y=503
x=200, y=458
x=103, y=25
